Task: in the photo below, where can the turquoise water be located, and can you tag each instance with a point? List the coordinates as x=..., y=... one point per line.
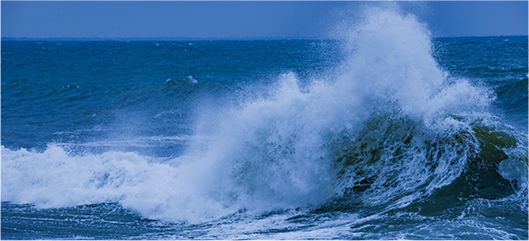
x=386, y=133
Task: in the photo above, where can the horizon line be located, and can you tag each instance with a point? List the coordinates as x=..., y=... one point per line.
x=205, y=38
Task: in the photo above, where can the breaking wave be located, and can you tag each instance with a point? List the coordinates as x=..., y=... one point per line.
x=391, y=130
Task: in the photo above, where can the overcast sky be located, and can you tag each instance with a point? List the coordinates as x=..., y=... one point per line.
x=89, y=19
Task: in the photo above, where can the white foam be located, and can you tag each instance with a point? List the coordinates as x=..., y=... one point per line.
x=56, y=179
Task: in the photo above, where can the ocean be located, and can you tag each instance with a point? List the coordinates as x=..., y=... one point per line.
x=383, y=133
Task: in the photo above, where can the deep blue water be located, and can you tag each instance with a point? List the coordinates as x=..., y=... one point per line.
x=74, y=91
x=381, y=137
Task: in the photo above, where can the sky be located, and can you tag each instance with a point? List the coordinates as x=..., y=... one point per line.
x=242, y=19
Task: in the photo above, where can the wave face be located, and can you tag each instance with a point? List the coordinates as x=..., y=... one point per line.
x=386, y=144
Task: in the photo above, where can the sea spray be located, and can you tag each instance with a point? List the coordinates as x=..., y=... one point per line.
x=393, y=124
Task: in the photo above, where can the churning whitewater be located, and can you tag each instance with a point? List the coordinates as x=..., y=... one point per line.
x=390, y=145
